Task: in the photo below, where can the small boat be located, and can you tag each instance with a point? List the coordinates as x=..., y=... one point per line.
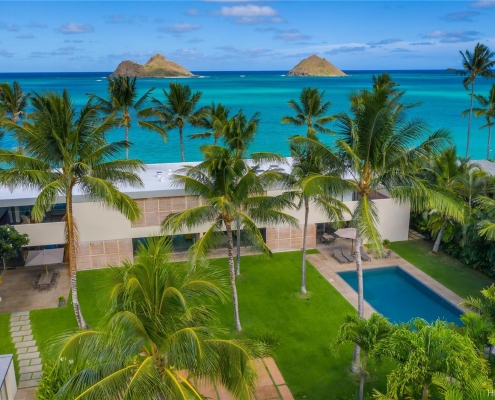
x=242, y=76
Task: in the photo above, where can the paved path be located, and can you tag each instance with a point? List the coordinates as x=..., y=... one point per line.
x=27, y=354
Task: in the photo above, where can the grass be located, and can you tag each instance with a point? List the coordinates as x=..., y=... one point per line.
x=450, y=272
x=6, y=345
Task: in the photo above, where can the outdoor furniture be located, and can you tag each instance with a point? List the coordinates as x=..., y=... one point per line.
x=45, y=286
x=36, y=284
x=364, y=256
x=347, y=254
x=328, y=239
x=54, y=280
x=337, y=253
x=387, y=254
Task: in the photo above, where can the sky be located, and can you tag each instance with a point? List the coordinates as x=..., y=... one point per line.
x=78, y=36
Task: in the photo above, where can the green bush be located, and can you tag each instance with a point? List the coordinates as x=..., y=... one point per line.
x=51, y=381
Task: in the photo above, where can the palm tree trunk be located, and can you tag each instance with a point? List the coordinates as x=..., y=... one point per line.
x=181, y=144
x=436, y=246
x=127, y=140
x=230, y=255
x=425, y=393
x=489, y=139
x=4, y=265
x=71, y=240
x=305, y=232
x=355, y=367
x=238, y=255
x=470, y=118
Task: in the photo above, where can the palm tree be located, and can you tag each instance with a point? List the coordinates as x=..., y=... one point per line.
x=176, y=112
x=445, y=172
x=487, y=110
x=159, y=339
x=230, y=192
x=122, y=93
x=214, y=120
x=422, y=351
x=365, y=333
x=314, y=183
x=487, y=225
x=310, y=112
x=382, y=151
x=13, y=102
x=67, y=150
x=476, y=63
x=477, y=388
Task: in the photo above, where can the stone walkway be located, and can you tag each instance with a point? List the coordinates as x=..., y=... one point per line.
x=27, y=353
x=413, y=235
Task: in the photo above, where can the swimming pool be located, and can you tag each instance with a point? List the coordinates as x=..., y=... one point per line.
x=400, y=297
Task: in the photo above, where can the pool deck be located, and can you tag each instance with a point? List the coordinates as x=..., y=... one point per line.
x=329, y=268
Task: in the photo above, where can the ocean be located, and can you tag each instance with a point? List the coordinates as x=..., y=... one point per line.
x=441, y=93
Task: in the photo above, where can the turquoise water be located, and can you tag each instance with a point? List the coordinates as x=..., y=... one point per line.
x=400, y=297
x=441, y=93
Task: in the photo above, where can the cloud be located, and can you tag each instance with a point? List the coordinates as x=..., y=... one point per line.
x=461, y=16
x=251, y=14
x=25, y=36
x=73, y=41
x=297, y=55
x=72, y=28
x=81, y=58
x=384, y=41
x=36, y=24
x=122, y=19
x=129, y=55
x=195, y=40
x=421, y=44
x=452, y=37
x=346, y=49
x=193, y=12
x=291, y=35
x=6, y=54
x=247, y=53
x=483, y=4
x=400, y=50
x=11, y=27
x=181, y=27
x=61, y=51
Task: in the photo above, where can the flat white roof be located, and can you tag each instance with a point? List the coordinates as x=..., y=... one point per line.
x=486, y=165
x=157, y=181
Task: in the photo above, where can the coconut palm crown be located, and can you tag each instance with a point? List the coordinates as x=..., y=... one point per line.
x=66, y=152
x=214, y=120
x=230, y=191
x=122, y=92
x=486, y=109
x=310, y=111
x=160, y=338
x=13, y=102
x=178, y=110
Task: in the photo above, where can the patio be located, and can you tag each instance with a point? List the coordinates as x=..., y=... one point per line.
x=17, y=289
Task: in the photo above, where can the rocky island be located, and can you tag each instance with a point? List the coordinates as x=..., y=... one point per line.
x=156, y=67
x=315, y=66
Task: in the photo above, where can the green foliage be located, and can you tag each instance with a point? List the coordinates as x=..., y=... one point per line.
x=53, y=378
x=11, y=241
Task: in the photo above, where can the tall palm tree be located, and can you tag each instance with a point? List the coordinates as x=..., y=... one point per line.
x=229, y=191
x=382, y=150
x=422, y=351
x=159, y=339
x=487, y=110
x=67, y=150
x=122, y=92
x=238, y=133
x=310, y=111
x=178, y=109
x=214, y=120
x=365, y=333
x=477, y=63
x=487, y=225
x=14, y=103
x=316, y=184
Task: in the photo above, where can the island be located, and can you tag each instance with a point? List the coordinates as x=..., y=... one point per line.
x=315, y=66
x=156, y=67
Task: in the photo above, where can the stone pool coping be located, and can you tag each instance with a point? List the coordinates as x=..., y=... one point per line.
x=329, y=268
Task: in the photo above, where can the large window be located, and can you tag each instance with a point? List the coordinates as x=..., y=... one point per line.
x=17, y=215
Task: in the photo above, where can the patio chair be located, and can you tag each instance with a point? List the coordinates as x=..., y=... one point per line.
x=54, y=280
x=45, y=286
x=347, y=254
x=36, y=284
x=387, y=254
x=364, y=256
x=337, y=253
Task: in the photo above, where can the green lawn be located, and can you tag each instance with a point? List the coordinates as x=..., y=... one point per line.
x=6, y=345
x=450, y=272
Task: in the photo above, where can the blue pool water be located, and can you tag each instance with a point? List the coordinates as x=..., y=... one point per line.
x=400, y=297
